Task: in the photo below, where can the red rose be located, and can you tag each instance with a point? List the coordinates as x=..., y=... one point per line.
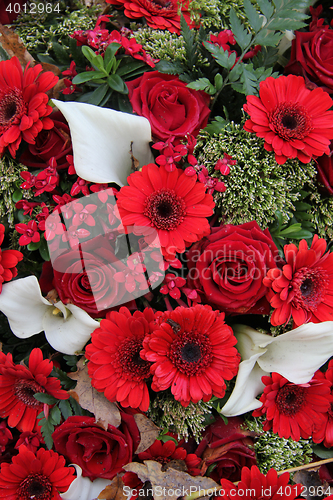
x=325, y=171
x=171, y=107
x=85, y=277
x=228, y=266
x=312, y=57
x=229, y=446
x=54, y=143
x=99, y=453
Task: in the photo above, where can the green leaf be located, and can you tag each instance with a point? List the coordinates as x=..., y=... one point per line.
x=88, y=53
x=266, y=8
x=203, y=84
x=321, y=451
x=221, y=56
x=171, y=68
x=242, y=36
x=47, y=428
x=235, y=73
x=302, y=234
x=98, y=63
x=268, y=38
x=294, y=228
x=45, y=58
x=45, y=398
x=249, y=80
x=98, y=95
x=301, y=206
x=216, y=125
x=65, y=408
x=252, y=15
x=109, y=55
x=66, y=382
x=17, y=195
x=116, y=83
x=130, y=67
x=60, y=53
x=218, y=81
x=55, y=415
x=33, y=246
x=189, y=43
x=77, y=410
x=87, y=75
x=44, y=250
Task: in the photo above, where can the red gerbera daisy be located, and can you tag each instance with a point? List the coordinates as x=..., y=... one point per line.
x=303, y=289
x=193, y=353
x=23, y=103
x=324, y=433
x=40, y=476
x=255, y=485
x=159, y=14
x=169, y=203
x=115, y=366
x=165, y=452
x=8, y=261
x=294, y=410
x=293, y=120
x=18, y=384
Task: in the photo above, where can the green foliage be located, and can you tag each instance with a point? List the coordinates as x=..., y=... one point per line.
x=257, y=186
x=10, y=191
x=163, y=45
x=273, y=452
x=48, y=424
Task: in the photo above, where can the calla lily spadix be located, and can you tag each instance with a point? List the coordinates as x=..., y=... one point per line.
x=67, y=328
x=295, y=355
x=84, y=489
x=103, y=140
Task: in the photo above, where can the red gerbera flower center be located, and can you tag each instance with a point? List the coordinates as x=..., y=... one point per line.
x=35, y=486
x=130, y=361
x=25, y=390
x=290, y=399
x=291, y=121
x=309, y=286
x=165, y=209
x=191, y=353
x=160, y=4
x=12, y=106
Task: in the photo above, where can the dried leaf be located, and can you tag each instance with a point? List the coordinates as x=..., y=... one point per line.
x=51, y=67
x=105, y=412
x=148, y=432
x=171, y=484
x=55, y=91
x=114, y=491
x=13, y=46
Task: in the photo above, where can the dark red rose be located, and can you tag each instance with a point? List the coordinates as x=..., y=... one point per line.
x=228, y=266
x=171, y=107
x=229, y=446
x=325, y=172
x=99, y=453
x=312, y=57
x=85, y=277
x=54, y=143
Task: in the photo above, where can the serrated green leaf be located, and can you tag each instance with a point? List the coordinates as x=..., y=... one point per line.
x=216, y=125
x=266, y=8
x=45, y=398
x=252, y=15
x=55, y=415
x=116, y=83
x=189, y=43
x=235, y=73
x=33, y=246
x=202, y=84
x=47, y=428
x=65, y=408
x=268, y=38
x=60, y=53
x=66, y=382
x=249, y=80
x=285, y=24
x=242, y=36
x=221, y=56
x=87, y=76
x=109, y=55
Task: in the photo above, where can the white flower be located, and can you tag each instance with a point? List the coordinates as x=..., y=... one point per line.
x=103, y=139
x=296, y=355
x=84, y=489
x=67, y=329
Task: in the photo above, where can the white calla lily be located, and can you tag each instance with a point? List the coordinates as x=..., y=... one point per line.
x=103, y=139
x=296, y=355
x=67, y=328
x=84, y=489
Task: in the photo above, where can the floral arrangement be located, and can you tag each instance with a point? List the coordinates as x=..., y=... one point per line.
x=166, y=275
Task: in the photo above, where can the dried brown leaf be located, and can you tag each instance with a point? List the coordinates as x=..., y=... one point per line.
x=148, y=432
x=13, y=45
x=113, y=491
x=105, y=412
x=171, y=484
x=313, y=487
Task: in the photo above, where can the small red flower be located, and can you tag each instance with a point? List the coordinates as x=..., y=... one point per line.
x=18, y=384
x=293, y=120
x=29, y=233
x=115, y=366
x=171, y=285
x=324, y=432
x=40, y=476
x=193, y=353
x=48, y=179
x=80, y=186
x=294, y=410
x=303, y=289
x=24, y=105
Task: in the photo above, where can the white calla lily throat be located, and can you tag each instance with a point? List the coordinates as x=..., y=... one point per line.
x=84, y=489
x=67, y=328
x=103, y=140
x=296, y=355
